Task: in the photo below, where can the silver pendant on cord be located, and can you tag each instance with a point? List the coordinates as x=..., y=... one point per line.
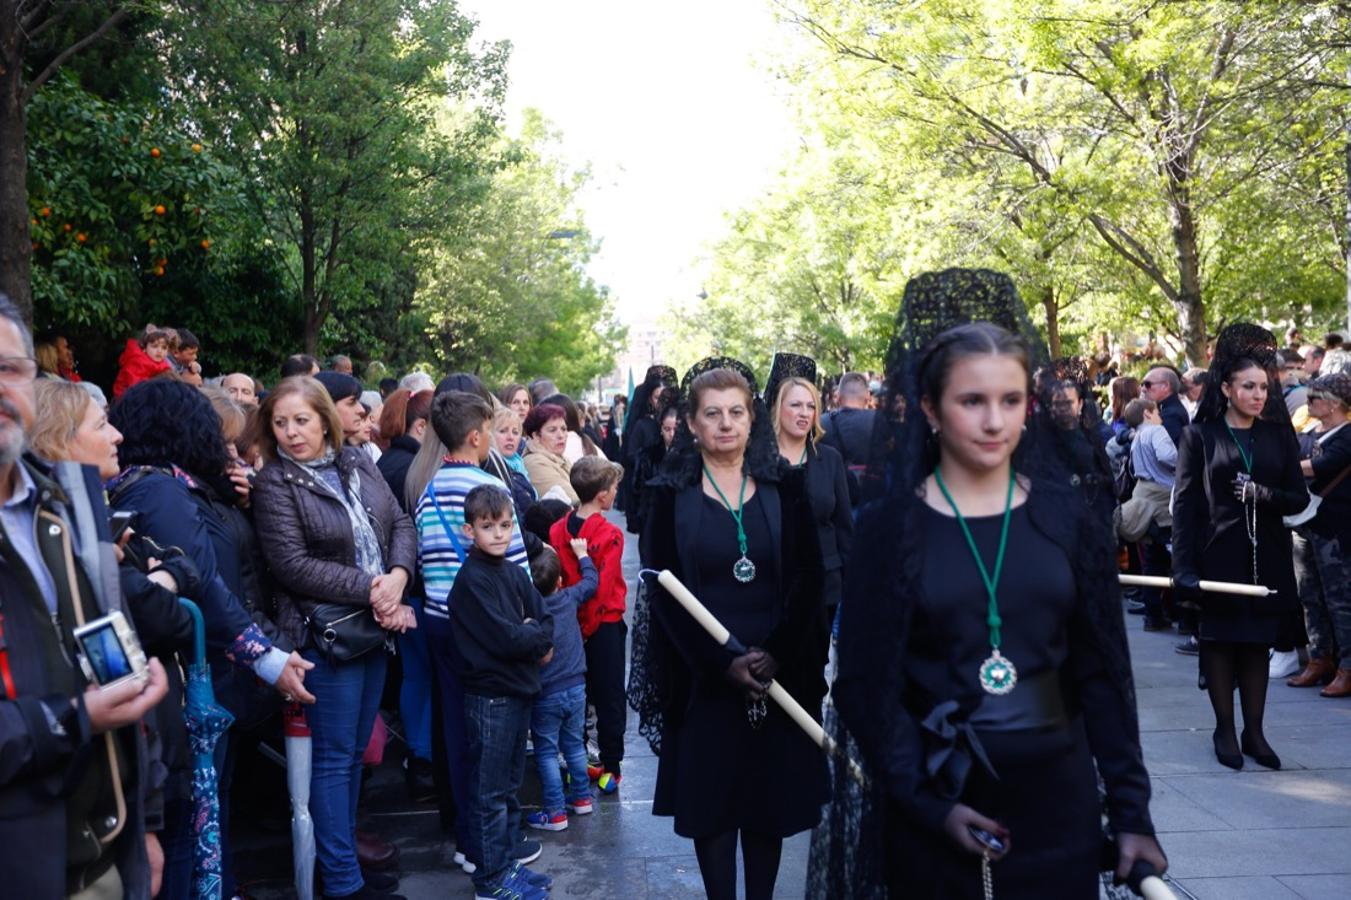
x=743, y=570
x=756, y=710
x=997, y=674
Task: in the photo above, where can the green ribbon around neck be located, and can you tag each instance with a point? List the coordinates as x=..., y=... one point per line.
x=992, y=618
x=736, y=513
x=1245, y=455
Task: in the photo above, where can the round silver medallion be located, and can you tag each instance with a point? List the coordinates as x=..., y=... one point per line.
x=743, y=570
x=997, y=675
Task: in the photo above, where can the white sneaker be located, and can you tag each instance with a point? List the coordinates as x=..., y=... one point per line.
x=463, y=862
x=1283, y=664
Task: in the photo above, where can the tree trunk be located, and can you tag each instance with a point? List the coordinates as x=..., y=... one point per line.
x=1189, y=303
x=309, y=294
x=15, y=244
x=1048, y=303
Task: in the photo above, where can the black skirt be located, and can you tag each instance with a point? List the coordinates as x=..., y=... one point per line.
x=1046, y=795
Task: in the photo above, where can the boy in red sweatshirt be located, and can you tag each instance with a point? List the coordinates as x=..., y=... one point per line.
x=144, y=358
x=596, y=481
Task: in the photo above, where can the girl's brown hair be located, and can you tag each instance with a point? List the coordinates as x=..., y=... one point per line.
x=316, y=398
x=1124, y=389
x=392, y=414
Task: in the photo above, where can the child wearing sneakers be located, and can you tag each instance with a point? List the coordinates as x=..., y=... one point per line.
x=504, y=637
x=596, y=481
x=558, y=719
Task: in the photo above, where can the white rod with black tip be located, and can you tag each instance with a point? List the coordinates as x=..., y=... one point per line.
x=785, y=700
x=1216, y=587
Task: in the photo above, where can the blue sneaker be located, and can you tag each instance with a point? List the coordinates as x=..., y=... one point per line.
x=530, y=876
x=557, y=820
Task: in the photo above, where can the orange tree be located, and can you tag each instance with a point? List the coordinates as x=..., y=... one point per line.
x=133, y=219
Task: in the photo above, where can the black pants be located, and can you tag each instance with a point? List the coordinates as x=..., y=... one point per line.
x=605, y=690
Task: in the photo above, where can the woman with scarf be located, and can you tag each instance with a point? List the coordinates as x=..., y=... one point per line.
x=1323, y=543
x=172, y=451
x=738, y=531
x=1238, y=473
x=342, y=552
x=982, y=663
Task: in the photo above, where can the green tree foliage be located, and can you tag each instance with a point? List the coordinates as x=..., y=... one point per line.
x=330, y=112
x=511, y=300
x=1143, y=165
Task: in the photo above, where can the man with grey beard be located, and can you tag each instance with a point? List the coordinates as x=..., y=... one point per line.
x=71, y=755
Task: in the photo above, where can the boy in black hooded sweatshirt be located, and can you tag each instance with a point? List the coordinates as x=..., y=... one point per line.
x=503, y=635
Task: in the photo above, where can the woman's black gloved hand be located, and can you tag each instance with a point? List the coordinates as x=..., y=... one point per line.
x=1187, y=589
x=741, y=673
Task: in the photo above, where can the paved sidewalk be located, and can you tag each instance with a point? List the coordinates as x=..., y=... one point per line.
x=1229, y=835
x=1254, y=834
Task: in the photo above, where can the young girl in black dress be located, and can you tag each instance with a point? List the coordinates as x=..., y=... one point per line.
x=982, y=661
x=1237, y=474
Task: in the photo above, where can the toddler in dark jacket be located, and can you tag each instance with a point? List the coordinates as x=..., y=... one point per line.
x=558, y=719
x=504, y=637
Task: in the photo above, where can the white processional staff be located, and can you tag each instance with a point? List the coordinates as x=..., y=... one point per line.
x=1149, y=886
x=1216, y=587
x=785, y=700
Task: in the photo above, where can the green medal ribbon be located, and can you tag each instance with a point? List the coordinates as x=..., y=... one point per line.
x=1245, y=455
x=743, y=570
x=997, y=673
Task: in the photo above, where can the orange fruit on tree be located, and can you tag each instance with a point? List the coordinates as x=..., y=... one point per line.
x=206, y=244
x=162, y=262
x=159, y=271
x=45, y=211
x=150, y=243
x=154, y=152
x=81, y=237
x=196, y=148
x=67, y=228
x=160, y=210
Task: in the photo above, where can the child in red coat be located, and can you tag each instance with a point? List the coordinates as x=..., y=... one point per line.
x=596, y=481
x=144, y=358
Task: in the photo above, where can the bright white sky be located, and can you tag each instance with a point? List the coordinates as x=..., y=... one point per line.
x=674, y=106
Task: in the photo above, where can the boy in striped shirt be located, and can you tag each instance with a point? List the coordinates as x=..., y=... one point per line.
x=463, y=423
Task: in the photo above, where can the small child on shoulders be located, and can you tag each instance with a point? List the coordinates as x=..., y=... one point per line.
x=558, y=720
x=596, y=482
x=144, y=357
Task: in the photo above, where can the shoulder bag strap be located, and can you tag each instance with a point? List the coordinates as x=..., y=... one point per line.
x=445, y=523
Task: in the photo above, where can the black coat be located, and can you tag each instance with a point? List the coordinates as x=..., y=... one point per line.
x=828, y=495
x=694, y=666
x=1175, y=418
x=307, y=539
x=1210, y=538
x=394, y=463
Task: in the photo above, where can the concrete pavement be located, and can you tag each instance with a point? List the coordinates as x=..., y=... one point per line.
x=1229, y=835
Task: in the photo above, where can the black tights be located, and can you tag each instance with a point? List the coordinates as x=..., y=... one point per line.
x=717, y=864
x=1226, y=665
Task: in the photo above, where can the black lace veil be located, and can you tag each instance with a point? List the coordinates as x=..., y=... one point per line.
x=787, y=365
x=650, y=678
x=1236, y=344
x=884, y=569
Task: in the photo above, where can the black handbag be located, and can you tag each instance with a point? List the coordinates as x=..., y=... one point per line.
x=343, y=632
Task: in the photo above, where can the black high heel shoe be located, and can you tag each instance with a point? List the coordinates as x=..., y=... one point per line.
x=1231, y=760
x=1268, y=759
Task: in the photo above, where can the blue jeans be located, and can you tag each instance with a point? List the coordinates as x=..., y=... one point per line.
x=496, y=730
x=415, y=696
x=557, y=721
x=346, y=697
x=177, y=842
x=445, y=661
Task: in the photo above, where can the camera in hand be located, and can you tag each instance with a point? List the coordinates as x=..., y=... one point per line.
x=109, y=651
